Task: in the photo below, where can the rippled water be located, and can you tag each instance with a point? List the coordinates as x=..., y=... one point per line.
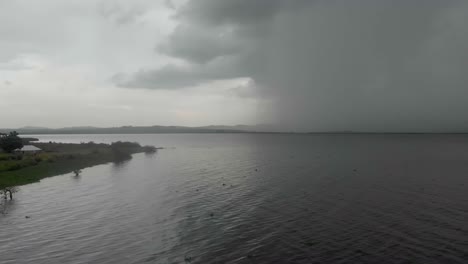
x=251, y=199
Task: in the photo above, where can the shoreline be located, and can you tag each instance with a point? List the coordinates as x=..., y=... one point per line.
x=60, y=158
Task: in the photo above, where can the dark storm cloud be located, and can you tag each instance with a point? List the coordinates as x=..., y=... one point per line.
x=198, y=45
x=217, y=39
x=180, y=76
x=215, y=12
x=370, y=67
x=330, y=65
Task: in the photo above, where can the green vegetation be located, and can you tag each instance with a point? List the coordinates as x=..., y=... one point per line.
x=10, y=142
x=60, y=158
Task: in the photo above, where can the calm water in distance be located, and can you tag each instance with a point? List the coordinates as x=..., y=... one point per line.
x=242, y=198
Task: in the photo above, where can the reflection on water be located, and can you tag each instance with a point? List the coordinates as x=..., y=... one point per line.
x=6, y=206
x=251, y=199
x=119, y=164
x=76, y=177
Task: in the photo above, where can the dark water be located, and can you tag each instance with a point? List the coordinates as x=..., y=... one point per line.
x=251, y=199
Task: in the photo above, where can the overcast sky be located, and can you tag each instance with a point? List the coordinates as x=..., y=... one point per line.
x=380, y=65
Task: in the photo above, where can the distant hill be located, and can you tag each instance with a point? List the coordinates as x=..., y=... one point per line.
x=247, y=128
x=32, y=127
x=134, y=130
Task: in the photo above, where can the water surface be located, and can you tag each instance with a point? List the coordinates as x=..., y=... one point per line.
x=240, y=198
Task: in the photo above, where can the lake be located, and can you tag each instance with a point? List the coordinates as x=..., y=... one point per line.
x=250, y=198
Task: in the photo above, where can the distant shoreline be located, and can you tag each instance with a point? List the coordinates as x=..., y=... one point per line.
x=237, y=129
x=250, y=132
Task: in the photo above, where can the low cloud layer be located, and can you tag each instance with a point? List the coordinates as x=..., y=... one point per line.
x=327, y=65
x=57, y=59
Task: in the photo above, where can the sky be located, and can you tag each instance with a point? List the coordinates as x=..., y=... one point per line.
x=304, y=65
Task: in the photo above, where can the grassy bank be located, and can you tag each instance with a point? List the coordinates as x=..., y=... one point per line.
x=59, y=158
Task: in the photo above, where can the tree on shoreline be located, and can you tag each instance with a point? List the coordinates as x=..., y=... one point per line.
x=8, y=192
x=10, y=142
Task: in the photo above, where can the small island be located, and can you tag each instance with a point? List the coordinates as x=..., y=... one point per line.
x=35, y=160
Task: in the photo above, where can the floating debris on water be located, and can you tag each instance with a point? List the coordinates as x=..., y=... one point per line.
x=188, y=259
x=310, y=243
x=250, y=256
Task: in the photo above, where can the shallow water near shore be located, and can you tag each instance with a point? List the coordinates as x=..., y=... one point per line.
x=250, y=198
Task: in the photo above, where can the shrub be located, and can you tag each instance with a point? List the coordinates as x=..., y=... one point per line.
x=149, y=149
x=5, y=156
x=11, y=142
x=14, y=166
x=120, y=144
